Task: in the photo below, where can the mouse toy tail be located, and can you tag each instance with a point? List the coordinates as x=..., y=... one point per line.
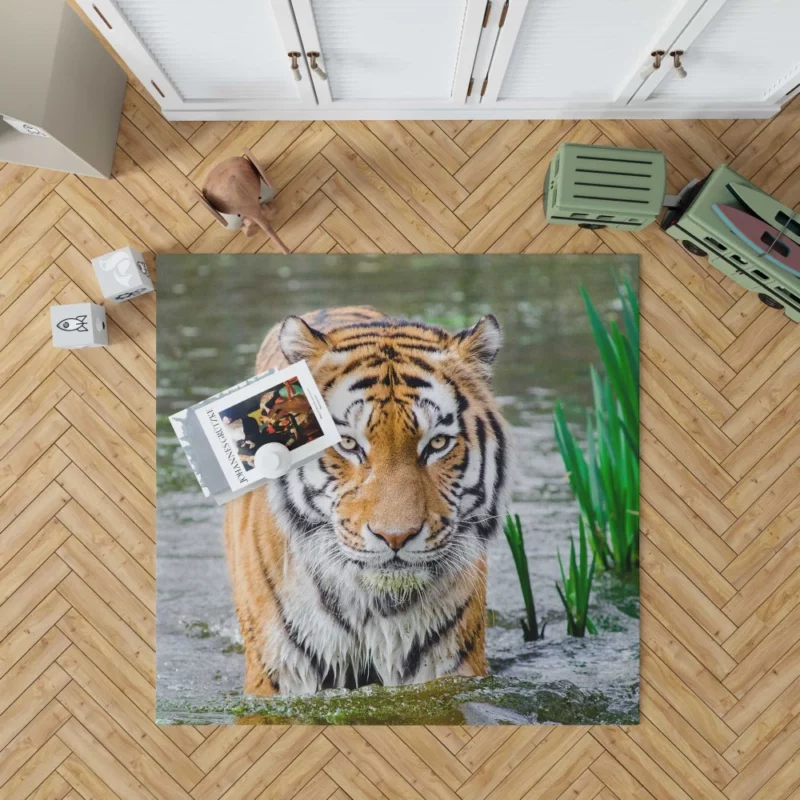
x=263, y=223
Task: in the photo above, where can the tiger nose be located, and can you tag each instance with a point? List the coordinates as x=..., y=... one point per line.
x=397, y=540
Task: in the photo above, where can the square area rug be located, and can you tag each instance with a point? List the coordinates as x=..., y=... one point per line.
x=467, y=553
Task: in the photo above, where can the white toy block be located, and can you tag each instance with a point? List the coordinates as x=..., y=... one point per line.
x=122, y=274
x=78, y=325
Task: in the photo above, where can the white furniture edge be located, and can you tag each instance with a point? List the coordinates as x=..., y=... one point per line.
x=650, y=111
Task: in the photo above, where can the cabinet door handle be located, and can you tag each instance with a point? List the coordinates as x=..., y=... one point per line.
x=315, y=68
x=657, y=56
x=676, y=60
x=294, y=55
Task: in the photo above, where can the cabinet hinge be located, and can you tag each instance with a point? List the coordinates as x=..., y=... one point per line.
x=486, y=13
x=469, y=88
x=503, y=15
x=485, y=84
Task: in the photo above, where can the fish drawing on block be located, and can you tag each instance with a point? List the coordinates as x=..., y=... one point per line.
x=769, y=209
x=763, y=238
x=77, y=324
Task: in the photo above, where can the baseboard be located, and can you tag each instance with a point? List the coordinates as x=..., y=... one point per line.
x=649, y=111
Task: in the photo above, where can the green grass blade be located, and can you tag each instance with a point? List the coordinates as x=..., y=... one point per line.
x=576, y=584
x=605, y=480
x=516, y=542
x=630, y=307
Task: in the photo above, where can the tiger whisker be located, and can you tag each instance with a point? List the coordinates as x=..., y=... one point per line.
x=475, y=520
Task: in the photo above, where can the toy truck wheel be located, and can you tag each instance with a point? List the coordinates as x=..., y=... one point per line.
x=770, y=301
x=693, y=248
x=592, y=226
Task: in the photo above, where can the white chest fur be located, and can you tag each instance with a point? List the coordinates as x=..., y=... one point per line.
x=332, y=635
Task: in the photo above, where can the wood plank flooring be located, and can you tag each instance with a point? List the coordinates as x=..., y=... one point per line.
x=720, y=471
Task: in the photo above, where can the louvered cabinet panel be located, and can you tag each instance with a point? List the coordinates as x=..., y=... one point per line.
x=746, y=52
x=385, y=52
x=205, y=54
x=579, y=51
x=212, y=50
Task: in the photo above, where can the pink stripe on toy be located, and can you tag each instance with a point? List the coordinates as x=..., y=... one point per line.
x=764, y=239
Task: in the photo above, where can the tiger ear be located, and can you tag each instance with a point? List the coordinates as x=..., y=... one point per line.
x=480, y=343
x=298, y=340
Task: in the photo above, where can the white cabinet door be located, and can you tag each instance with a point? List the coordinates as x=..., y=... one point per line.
x=735, y=51
x=558, y=53
x=208, y=59
x=207, y=54
x=390, y=53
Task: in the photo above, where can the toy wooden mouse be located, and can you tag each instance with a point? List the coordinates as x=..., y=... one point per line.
x=238, y=193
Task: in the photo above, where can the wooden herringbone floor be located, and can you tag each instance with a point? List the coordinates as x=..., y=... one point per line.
x=720, y=472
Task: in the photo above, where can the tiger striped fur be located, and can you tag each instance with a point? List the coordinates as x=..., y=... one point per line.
x=369, y=565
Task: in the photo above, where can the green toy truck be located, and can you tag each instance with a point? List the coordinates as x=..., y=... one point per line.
x=597, y=187
x=695, y=224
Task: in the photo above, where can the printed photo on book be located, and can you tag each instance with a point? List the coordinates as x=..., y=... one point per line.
x=284, y=407
x=282, y=414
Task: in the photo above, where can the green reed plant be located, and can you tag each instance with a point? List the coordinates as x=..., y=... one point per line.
x=576, y=586
x=516, y=541
x=605, y=479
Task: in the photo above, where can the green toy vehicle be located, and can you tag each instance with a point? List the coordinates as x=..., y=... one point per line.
x=700, y=229
x=745, y=233
x=599, y=187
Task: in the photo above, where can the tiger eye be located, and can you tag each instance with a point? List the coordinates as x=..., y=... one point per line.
x=348, y=443
x=438, y=442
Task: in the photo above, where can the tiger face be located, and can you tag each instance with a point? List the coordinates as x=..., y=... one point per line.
x=416, y=486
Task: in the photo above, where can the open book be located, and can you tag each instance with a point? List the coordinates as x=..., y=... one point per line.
x=220, y=435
